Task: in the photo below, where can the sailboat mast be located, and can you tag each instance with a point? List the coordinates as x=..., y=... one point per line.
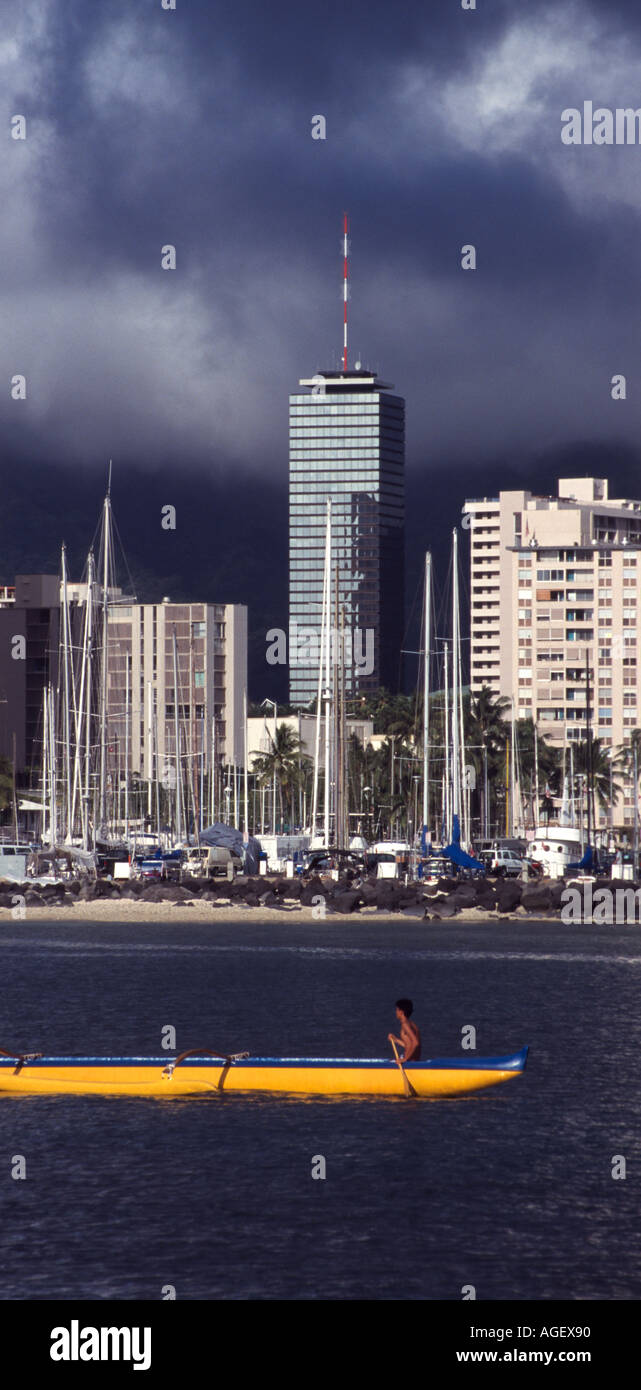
x=464, y=789
x=340, y=728
x=319, y=699
x=179, y=822
x=328, y=697
x=446, y=798
x=52, y=767
x=88, y=693
x=426, y=692
x=336, y=739
x=45, y=763
x=512, y=830
x=66, y=699
x=127, y=747
x=536, y=776
x=245, y=769
x=588, y=732
x=106, y=548
x=456, y=782
x=572, y=806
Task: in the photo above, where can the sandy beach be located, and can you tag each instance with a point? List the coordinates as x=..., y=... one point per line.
x=127, y=910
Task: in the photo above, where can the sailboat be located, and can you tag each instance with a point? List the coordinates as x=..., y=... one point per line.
x=455, y=804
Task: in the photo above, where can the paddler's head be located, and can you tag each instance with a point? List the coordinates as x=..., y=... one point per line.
x=404, y=1008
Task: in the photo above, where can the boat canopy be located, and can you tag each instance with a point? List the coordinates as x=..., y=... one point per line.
x=457, y=855
x=228, y=837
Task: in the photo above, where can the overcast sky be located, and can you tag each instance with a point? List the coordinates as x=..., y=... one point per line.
x=147, y=127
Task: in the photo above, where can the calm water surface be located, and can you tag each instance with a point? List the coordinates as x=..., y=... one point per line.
x=509, y=1190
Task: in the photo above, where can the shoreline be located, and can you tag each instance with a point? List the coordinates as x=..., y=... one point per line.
x=192, y=910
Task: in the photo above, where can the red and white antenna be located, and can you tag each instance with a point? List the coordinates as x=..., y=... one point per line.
x=345, y=291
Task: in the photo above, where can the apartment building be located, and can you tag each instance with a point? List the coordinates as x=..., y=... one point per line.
x=555, y=585
x=187, y=663
x=29, y=636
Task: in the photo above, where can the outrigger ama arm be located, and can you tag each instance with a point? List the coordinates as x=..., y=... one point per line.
x=21, y=1058
x=227, y=1057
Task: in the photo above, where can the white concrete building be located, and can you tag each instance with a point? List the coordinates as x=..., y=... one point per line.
x=555, y=583
x=260, y=732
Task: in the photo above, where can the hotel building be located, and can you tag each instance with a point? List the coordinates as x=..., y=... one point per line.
x=554, y=584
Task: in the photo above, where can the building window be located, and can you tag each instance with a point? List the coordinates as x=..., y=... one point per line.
x=199, y=679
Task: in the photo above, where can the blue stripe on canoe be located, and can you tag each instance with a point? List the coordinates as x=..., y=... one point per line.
x=515, y=1061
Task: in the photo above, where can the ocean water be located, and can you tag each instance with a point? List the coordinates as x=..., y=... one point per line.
x=509, y=1190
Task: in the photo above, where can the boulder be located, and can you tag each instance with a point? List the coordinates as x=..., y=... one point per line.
x=104, y=889
x=311, y=889
x=444, y=907
x=165, y=893
x=347, y=901
x=485, y=895
x=508, y=894
x=557, y=889
x=34, y=899
x=268, y=899
x=369, y=892
x=536, y=898
x=292, y=888
x=464, y=896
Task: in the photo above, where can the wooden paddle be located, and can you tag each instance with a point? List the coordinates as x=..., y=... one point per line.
x=409, y=1089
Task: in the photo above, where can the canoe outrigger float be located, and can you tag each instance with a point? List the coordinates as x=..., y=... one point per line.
x=194, y=1072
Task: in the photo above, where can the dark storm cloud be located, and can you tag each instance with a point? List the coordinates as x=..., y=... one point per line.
x=193, y=128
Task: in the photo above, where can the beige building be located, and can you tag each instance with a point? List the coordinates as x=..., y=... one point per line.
x=211, y=665
x=260, y=733
x=555, y=582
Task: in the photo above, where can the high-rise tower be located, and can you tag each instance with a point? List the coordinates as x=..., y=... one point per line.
x=347, y=443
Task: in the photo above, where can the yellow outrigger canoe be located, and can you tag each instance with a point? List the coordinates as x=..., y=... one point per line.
x=194, y=1072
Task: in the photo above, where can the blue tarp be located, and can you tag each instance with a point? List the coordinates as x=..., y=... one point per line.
x=457, y=855
x=227, y=837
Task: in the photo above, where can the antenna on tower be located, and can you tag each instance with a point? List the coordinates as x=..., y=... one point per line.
x=345, y=255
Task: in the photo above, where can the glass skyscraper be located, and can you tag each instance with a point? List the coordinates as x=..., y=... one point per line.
x=347, y=443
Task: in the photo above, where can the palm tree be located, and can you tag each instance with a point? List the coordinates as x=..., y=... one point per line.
x=548, y=758
x=606, y=789
x=284, y=761
x=6, y=783
x=486, y=732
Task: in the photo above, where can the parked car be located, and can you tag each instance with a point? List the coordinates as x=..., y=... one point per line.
x=322, y=861
x=502, y=863
x=151, y=869
x=222, y=862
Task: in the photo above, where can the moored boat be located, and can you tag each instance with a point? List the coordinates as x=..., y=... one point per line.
x=201, y=1071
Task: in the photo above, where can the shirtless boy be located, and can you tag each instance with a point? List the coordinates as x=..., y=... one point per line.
x=410, y=1038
